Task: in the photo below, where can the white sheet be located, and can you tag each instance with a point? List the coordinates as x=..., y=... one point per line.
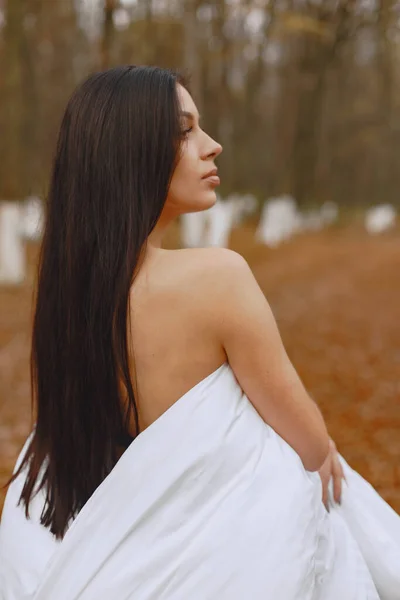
x=208, y=503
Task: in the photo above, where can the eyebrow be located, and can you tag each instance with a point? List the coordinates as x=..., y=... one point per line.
x=189, y=115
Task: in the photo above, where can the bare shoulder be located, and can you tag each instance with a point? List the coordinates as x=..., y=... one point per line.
x=201, y=282
x=206, y=267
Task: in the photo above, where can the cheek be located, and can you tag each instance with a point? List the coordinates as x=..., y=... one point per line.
x=184, y=174
x=177, y=181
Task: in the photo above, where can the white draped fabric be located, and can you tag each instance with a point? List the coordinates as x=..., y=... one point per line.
x=208, y=503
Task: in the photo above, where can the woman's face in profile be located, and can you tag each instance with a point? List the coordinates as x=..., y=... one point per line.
x=195, y=180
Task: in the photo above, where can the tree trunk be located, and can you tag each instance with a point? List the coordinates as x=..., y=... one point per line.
x=191, y=51
x=305, y=150
x=108, y=33
x=12, y=105
x=316, y=56
x=13, y=159
x=387, y=158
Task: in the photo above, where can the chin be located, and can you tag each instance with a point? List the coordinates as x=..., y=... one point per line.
x=190, y=204
x=204, y=203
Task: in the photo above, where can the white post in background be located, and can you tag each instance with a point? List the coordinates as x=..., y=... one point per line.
x=279, y=221
x=212, y=227
x=220, y=224
x=32, y=219
x=193, y=227
x=12, y=250
x=380, y=218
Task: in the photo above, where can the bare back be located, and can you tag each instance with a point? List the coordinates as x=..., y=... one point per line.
x=174, y=343
x=194, y=309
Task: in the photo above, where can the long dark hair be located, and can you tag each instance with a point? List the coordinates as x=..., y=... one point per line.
x=117, y=149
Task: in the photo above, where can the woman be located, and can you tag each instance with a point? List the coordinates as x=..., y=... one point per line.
x=175, y=453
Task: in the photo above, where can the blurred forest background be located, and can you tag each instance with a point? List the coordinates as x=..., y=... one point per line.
x=304, y=95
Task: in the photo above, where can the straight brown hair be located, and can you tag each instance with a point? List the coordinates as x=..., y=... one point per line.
x=117, y=149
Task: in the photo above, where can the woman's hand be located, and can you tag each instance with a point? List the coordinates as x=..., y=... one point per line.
x=331, y=469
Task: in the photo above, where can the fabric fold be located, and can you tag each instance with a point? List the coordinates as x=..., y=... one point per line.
x=210, y=503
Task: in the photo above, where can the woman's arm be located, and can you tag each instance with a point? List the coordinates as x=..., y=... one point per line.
x=255, y=351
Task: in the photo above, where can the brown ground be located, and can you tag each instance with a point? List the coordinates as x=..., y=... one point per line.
x=336, y=296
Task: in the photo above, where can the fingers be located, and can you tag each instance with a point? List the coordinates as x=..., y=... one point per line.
x=337, y=476
x=325, y=494
x=332, y=468
x=325, y=476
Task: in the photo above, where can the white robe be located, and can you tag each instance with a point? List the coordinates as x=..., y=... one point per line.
x=208, y=503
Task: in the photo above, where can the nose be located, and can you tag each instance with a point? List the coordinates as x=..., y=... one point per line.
x=212, y=149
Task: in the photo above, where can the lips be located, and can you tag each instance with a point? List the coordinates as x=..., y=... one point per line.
x=212, y=180
x=212, y=173
x=211, y=177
